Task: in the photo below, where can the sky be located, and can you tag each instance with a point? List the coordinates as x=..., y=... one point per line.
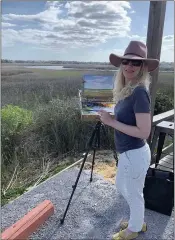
x=78, y=30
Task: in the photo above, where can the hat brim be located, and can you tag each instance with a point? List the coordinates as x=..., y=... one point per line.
x=116, y=60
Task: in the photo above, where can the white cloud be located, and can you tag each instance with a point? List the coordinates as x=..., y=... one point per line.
x=119, y=51
x=49, y=15
x=76, y=24
x=167, y=50
x=137, y=38
x=168, y=38
x=167, y=41
x=5, y=24
x=168, y=45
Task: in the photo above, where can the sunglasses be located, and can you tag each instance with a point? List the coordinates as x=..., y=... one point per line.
x=135, y=63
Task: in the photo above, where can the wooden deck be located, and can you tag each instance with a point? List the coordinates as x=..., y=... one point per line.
x=166, y=163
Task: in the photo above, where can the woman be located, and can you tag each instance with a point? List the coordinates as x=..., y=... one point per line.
x=132, y=126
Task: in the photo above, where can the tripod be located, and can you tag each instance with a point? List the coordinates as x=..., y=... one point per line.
x=95, y=136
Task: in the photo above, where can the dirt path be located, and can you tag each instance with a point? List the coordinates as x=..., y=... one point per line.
x=105, y=165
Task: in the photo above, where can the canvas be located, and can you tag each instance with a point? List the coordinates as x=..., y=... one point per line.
x=91, y=106
x=96, y=95
x=98, y=86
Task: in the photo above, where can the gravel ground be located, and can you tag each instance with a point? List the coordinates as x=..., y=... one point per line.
x=95, y=212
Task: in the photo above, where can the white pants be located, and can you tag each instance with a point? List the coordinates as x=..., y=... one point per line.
x=130, y=179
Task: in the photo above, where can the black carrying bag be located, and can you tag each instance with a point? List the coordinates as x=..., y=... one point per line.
x=159, y=191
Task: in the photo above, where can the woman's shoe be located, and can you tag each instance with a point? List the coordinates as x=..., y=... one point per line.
x=124, y=225
x=121, y=236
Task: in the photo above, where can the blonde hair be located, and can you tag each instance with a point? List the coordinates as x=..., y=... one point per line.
x=122, y=90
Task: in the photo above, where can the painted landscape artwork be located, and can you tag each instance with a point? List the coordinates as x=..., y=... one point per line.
x=90, y=106
x=97, y=95
x=98, y=86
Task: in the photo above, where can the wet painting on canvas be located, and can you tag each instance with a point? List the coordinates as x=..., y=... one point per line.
x=98, y=86
x=94, y=107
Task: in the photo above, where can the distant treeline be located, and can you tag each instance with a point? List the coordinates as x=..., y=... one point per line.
x=53, y=62
x=164, y=66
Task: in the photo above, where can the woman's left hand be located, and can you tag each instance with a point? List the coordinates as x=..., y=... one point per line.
x=105, y=117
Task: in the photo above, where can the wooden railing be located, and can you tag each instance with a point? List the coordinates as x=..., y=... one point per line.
x=166, y=116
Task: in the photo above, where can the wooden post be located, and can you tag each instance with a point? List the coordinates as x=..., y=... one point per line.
x=154, y=42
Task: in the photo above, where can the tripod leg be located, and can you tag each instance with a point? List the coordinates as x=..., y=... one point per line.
x=97, y=145
x=82, y=165
x=93, y=160
x=74, y=187
x=114, y=152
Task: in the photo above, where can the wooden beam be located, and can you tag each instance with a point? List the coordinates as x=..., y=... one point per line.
x=28, y=224
x=154, y=41
x=169, y=115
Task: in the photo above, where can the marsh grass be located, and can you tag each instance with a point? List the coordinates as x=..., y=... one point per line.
x=57, y=130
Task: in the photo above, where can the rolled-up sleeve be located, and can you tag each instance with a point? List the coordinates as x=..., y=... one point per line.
x=141, y=100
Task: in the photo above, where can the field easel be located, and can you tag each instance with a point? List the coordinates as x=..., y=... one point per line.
x=93, y=144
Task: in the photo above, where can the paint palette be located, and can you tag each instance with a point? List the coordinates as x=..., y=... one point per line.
x=96, y=106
